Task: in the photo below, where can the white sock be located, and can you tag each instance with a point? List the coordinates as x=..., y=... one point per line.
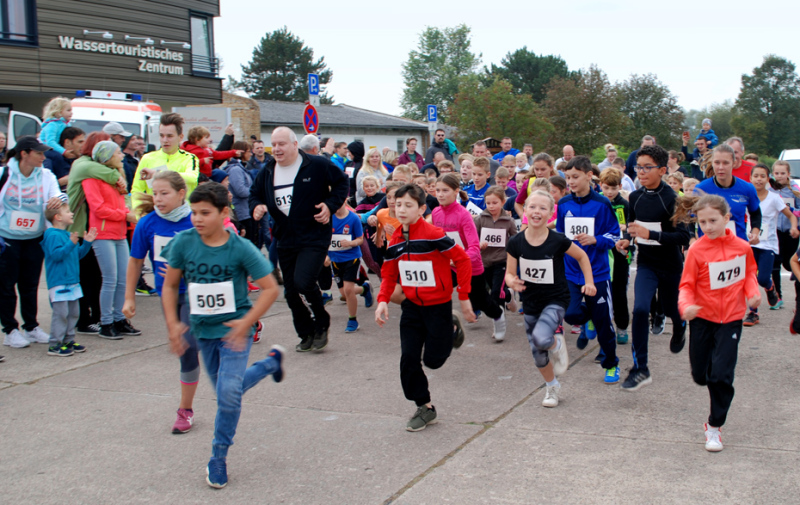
x=552, y=383
x=558, y=345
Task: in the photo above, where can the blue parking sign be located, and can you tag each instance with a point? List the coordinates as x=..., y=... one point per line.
x=432, y=113
x=313, y=84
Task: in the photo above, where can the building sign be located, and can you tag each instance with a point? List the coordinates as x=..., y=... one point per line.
x=137, y=51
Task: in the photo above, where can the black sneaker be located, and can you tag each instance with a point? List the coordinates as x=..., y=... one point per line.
x=772, y=298
x=458, y=332
x=320, y=340
x=123, y=327
x=109, y=331
x=92, y=329
x=637, y=379
x=305, y=344
x=657, y=326
x=678, y=339
x=751, y=319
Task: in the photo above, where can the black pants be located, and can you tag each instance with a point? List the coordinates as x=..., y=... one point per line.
x=325, y=279
x=495, y=276
x=20, y=269
x=787, y=246
x=91, y=282
x=619, y=290
x=796, y=320
x=713, y=349
x=301, y=268
x=479, y=297
x=251, y=233
x=426, y=336
x=649, y=282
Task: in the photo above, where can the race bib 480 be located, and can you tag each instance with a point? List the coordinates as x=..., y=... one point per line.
x=578, y=225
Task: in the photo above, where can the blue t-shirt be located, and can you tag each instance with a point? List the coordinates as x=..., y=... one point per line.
x=151, y=235
x=477, y=196
x=201, y=264
x=511, y=198
x=741, y=197
x=350, y=225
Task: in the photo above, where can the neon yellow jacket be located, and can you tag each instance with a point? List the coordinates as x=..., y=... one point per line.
x=181, y=161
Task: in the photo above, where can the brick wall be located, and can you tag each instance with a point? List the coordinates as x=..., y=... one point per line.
x=245, y=114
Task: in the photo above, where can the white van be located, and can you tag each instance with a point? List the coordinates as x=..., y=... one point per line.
x=92, y=110
x=792, y=156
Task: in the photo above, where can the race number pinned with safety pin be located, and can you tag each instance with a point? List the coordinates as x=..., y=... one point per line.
x=416, y=274
x=159, y=243
x=536, y=271
x=727, y=273
x=336, y=242
x=24, y=221
x=574, y=226
x=474, y=209
x=211, y=299
x=494, y=237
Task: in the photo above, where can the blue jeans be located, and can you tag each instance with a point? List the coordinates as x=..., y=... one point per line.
x=112, y=257
x=231, y=378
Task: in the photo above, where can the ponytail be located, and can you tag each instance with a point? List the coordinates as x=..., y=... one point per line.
x=686, y=207
x=146, y=206
x=453, y=182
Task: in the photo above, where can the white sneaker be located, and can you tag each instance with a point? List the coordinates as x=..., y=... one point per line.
x=36, y=336
x=500, y=328
x=511, y=306
x=551, y=396
x=16, y=340
x=713, y=438
x=559, y=358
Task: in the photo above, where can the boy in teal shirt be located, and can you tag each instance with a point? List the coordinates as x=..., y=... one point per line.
x=215, y=265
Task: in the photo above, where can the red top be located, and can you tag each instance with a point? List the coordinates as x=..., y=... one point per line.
x=743, y=172
x=107, y=210
x=426, y=243
x=203, y=154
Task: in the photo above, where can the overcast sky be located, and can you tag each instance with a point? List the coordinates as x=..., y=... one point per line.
x=699, y=50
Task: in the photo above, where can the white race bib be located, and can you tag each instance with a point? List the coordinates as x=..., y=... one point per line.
x=25, y=221
x=536, y=271
x=283, y=199
x=494, y=237
x=764, y=233
x=159, y=243
x=157, y=169
x=577, y=225
x=726, y=273
x=349, y=171
x=455, y=236
x=336, y=242
x=788, y=200
x=518, y=222
x=474, y=209
x=416, y=274
x=651, y=227
x=212, y=299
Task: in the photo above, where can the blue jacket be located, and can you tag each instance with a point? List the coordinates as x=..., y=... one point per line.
x=239, y=183
x=511, y=152
x=606, y=231
x=62, y=258
x=709, y=136
x=742, y=199
x=57, y=164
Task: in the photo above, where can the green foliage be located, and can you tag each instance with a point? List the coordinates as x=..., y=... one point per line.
x=433, y=70
x=584, y=112
x=529, y=73
x=496, y=111
x=599, y=154
x=652, y=109
x=279, y=70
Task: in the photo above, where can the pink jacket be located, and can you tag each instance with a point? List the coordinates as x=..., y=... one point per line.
x=455, y=217
x=107, y=210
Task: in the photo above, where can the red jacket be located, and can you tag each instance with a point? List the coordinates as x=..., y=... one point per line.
x=107, y=210
x=719, y=305
x=203, y=154
x=426, y=243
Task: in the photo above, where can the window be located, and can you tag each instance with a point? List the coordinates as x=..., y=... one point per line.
x=203, y=61
x=401, y=146
x=18, y=22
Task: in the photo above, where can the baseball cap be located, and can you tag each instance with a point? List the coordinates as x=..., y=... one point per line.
x=114, y=128
x=28, y=143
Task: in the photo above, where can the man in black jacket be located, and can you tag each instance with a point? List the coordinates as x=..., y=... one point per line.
x=301, y=193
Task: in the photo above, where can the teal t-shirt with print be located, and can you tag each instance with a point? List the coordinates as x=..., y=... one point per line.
x=202, y=265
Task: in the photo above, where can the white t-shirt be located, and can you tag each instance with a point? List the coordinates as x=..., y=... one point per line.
x=284, y=184
x=771, y=207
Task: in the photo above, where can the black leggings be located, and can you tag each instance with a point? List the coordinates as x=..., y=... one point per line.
x=495, y=277
x=787, y=246
x=480, y=298
x=91, y=280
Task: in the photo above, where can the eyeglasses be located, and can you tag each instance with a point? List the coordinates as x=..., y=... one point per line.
x=645, y=169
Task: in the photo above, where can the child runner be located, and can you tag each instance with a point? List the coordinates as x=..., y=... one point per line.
x=215, y=264
x=466, y=163
x=586, y=217
x=788, y=235
x=542, y=169
x=165, y=214
x=477, y=190
x=427, y=311
x=767, y=247
x=675, y=181
x=57, y=115
x=495, y=229
x=457, y=223
x=62, y=256
x=660, y=260
x=610, y=181
x=387, y=221
x=345, y=255
x=717, y=286
x=539, y=253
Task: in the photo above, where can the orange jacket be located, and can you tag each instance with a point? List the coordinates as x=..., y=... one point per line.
x=718, y=305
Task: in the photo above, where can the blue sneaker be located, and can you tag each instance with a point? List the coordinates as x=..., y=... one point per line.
x=326, y=298
x=622, y=337
x=600, y=357
x=612, y=375
x=591, y=331
x=217, y=472
x=352, y=326
x=367, y=294
x=583, y=341
x=276, y=352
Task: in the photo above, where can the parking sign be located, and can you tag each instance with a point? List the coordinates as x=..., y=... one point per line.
x=432, y=113
x=313, y=84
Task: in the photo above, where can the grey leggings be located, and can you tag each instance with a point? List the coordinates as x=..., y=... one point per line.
x=541, y=330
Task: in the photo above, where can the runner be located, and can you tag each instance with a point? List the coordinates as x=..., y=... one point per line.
x=495, y=229
x=610, y=183
x=788, y=235
x=345, y=255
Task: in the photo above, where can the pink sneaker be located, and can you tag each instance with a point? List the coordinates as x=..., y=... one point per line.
x=184, y=422
x=576, y=330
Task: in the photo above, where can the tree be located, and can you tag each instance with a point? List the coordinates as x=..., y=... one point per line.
x=769, y=104
x=720, y=114
x=529, y=73
x=652, y=109
x=496, y=111
x=280, y=67
x=584, y=112
x=431, y=74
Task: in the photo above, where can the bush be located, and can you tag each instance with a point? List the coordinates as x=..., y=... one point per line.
x=599, y=154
